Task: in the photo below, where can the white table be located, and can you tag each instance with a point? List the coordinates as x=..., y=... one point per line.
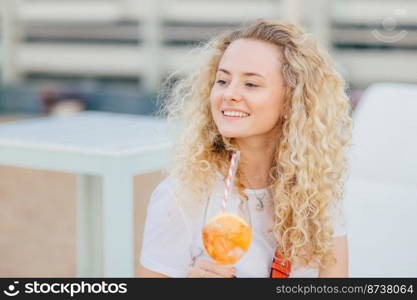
x=105, y=150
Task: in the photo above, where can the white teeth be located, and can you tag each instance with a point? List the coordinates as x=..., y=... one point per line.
x=235, y=114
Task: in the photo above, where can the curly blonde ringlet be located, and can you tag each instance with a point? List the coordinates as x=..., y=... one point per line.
x=309, y=163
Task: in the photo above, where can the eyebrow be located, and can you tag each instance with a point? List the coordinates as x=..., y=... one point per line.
x=246, y=73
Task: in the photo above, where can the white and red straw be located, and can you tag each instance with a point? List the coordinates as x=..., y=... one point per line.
x=229, y=180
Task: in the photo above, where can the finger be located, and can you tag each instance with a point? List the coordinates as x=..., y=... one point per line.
x=216, y=268
x=209, y=274
x=221, y=270
x=194, y=272
x=201, y=273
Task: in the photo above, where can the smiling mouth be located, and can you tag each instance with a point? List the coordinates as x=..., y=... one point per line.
x=234, y=115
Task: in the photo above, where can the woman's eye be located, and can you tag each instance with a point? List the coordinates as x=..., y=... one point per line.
x=251, y=85
x=221, y=82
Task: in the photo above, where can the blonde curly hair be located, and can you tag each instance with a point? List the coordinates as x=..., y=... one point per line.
x=309, y=163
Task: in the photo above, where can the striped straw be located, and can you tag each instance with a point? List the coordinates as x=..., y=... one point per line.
x=229, y=180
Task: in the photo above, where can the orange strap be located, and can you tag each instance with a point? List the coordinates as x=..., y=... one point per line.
x=279, y=269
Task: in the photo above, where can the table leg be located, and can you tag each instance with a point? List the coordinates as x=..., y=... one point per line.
x=118, y=258
x=89, y=232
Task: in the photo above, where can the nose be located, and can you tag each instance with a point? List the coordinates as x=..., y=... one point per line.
x=232, y=93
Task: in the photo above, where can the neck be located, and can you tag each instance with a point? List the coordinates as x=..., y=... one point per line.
x=255, y=161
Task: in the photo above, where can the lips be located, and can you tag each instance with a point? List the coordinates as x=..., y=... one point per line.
x=234, y=115
x=233, y=110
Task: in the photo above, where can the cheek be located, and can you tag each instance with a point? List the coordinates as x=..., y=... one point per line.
x=215, y=103
x=272, y=118
x=268, y=112
x=215, y=97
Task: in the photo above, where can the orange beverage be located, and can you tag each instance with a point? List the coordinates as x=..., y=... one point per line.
x=226, y=238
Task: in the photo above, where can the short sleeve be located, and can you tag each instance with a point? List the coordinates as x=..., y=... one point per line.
x=166, y=238
x=338, y=219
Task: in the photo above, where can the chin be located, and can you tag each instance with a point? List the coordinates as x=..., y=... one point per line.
x=231, y=134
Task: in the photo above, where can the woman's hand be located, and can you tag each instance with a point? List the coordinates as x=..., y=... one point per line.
x=206, y=269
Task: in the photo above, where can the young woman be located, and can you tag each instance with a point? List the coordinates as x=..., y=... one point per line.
x=271, y=92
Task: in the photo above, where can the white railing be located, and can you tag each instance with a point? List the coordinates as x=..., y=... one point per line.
x=152, y=58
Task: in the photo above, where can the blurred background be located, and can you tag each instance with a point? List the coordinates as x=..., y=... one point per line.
x=60, y=57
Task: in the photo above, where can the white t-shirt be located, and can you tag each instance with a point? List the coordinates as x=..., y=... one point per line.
x=171, y=241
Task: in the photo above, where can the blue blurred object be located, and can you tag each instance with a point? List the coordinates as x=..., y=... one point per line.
x=18, y=99
x=121, y=101
x=30, y=99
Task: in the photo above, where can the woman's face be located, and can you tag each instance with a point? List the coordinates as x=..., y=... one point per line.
x=247, y=96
